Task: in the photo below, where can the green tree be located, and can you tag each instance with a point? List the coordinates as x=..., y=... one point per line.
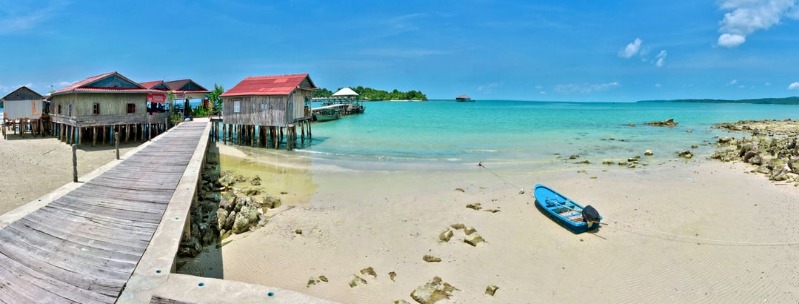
x=215, y=99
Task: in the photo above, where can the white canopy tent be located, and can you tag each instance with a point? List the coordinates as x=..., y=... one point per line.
x=345, y=92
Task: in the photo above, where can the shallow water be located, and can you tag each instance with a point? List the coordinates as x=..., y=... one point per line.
x=447, y=135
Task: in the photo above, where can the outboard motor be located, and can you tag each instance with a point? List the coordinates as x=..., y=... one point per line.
x=590, y=215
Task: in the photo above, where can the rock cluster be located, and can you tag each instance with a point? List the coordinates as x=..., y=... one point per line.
x=773, y=147
x=203, y=230
x=222, y=209
x=433, y=291
x=666, y=123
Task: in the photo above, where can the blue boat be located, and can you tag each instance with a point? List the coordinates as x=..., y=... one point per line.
x=564, y=211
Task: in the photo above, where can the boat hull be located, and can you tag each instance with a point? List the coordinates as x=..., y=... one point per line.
x=561, y=209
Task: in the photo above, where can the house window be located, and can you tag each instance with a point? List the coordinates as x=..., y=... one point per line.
x=58, y=110
x=96, y=109
x=131, y=108
x=69, y=110
x=236, y=106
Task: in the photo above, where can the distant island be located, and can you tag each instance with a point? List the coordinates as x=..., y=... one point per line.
x=376, y=95
x=784, y=101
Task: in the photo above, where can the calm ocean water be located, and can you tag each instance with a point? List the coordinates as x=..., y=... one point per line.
x=451, y=135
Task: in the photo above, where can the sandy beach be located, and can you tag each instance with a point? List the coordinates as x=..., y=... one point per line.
x=681, y=231
x=35, y=166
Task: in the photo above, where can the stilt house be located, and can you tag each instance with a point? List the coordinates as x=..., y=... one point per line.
x=100, y=105
x=185, y=89
x=275, y=102
x=24, y=108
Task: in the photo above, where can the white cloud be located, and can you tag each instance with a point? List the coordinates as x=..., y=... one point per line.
x=732, y=82
x=660, y=58
x=402, y=52
x=767, y=84
x=747, y=16
x=657, y=85
x=489, y=88
x=731, y=40
x=585, y=88
x=794, y=86
x=631, y=49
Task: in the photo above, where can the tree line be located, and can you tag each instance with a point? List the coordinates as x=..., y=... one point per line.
x=375, y=94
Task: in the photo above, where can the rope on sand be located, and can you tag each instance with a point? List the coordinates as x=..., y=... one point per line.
x=521, y=191
x=690, y=239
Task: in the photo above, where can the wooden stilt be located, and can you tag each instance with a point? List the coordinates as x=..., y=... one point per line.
x=94, y=136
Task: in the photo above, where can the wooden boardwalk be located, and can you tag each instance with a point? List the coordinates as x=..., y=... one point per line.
x=84, y=246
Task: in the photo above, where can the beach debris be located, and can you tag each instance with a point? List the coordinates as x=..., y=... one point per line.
x=458, y=226
x=433, y=291
x=473, y=239
x=492, y=210
x=256, y=181
x=685, y=154
x=648, y=153
x=445, y=235
x=521, y=191
x=401, y=302
x=583, y=162
x=431, y=259
x=298, y=231
x=460, y=189
x=475, y=206
x=323, y=278
x=357, y=280
x=311, y=281
x=491, y=290
x=370, y=271
x=608, y=162
x=392, y=275
x=574, y=156
x=666, y=123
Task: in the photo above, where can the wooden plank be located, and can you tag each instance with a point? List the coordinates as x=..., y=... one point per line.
x=49, y=284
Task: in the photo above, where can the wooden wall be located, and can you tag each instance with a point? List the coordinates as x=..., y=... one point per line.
x=113, y=109
x=20, y=109
x=265, y=110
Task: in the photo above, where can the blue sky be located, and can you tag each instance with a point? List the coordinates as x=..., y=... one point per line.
x=522, y=50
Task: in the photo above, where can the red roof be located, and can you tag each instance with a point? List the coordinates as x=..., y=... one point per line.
x=150, y=84
x=84, y=86
x=269, y=85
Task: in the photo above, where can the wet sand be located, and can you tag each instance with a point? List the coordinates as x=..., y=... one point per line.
x=684, y=231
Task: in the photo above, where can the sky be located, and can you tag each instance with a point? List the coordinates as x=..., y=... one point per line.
x=586, y=50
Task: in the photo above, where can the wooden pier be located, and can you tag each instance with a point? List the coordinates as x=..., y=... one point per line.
x=113, y=236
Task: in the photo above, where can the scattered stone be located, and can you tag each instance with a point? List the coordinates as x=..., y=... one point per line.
x=492, y=210
x=460, y=189
x=392, y=275
x=583, y=162
x=311, y=281
x=256, y=181
x=433, y=291
x=685, y=154
x=431, y=259
x=473, y=239
x=469, y=230
x=666, y=123
x=458, y=226
x=401, y=302
x=357, y=280
x=574, y=156
x=648, y=153
x=323, y=278
x=475, y=206
x=608, y=162
x=491, y=290
x=445, y=235
x=298, y=231
x=370, y=271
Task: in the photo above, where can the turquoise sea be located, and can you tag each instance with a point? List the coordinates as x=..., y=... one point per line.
x=452, y=135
